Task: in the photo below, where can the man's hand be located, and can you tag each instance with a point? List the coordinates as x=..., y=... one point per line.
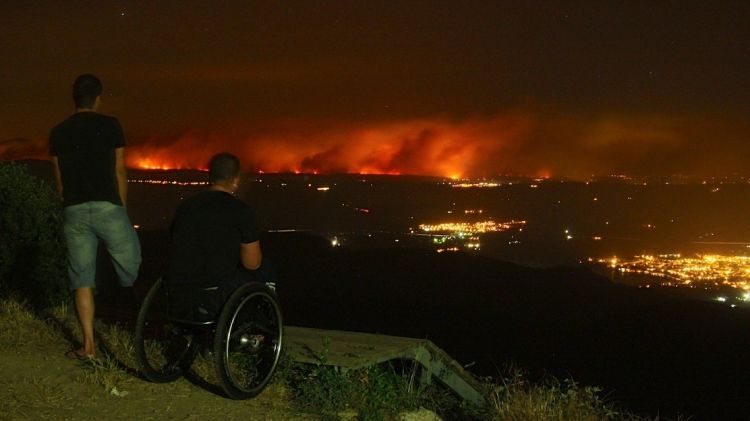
x=250, y=255
x=122, y=175
x=58, y=177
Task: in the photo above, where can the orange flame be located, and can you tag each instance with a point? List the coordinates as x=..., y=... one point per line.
x=423, y=147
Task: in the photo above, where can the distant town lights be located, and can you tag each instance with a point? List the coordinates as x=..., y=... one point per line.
x=467, y=228
x=708, y=271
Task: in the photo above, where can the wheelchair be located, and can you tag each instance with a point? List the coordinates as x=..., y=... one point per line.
x=246, y=338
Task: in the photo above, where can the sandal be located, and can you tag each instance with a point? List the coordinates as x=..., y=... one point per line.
x=73, y=354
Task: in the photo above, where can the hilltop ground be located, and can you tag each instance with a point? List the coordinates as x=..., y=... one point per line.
x=39, y=382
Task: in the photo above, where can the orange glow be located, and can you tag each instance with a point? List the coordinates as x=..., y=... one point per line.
x=420, y=147
x=152, y=164
x=519, y=141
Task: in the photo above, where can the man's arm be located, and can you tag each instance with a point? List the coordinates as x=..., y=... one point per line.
x=250, y=255
x=122, y=176
x=58, y=176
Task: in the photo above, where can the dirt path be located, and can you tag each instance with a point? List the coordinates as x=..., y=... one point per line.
x=37, y=382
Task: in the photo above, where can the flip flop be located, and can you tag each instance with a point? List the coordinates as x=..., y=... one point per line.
x=73, y=354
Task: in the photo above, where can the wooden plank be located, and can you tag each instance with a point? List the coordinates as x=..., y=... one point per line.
x=352, y=350
x=345, y=349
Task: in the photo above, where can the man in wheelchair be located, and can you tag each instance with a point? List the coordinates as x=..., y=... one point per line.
x=215, y=246
x=214, y=288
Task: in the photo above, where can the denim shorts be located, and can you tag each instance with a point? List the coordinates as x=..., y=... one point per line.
x=84, y=226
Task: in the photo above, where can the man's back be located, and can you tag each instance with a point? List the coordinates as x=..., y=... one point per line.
x=84, y=145
x=206, y=234
x=88, y=156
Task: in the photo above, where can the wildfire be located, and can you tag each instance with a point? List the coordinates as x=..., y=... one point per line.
x=422, y=147
x=152, y=164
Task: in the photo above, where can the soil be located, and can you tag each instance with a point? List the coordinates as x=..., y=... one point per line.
x=37, y=382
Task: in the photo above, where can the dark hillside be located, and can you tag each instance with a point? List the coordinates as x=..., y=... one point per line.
x=654, y=352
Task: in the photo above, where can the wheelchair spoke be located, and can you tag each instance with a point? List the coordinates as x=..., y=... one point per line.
x=163, y=349
x=249, y=331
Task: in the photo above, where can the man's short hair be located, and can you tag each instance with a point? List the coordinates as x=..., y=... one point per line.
x=223, y=167
x=85, y=90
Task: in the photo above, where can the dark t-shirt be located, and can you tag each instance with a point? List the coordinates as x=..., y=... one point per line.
x=84, y=145
x=206, y=234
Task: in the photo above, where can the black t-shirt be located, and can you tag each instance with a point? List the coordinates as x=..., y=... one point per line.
x=84, y=145
x=206, y=234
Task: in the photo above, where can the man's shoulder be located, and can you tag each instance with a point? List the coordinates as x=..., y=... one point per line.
x=238, y=203
x=87, y=117
x=200, y=200
x=82, y=123
x=61, y=126
x=224, y=197
x=107, y=118
x=102, y=119
x=215, y=199
x=83, y=118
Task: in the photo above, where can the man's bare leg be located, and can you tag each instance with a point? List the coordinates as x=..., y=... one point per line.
x=85, y=310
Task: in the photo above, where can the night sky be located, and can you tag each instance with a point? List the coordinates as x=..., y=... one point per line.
x=564, y=89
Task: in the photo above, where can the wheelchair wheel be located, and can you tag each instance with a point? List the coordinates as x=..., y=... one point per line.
x=163, y=349
x=248, y=340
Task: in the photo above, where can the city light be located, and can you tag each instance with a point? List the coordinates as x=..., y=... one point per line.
x=168, y=182
x=707, y=271
x=464, y=228
x=467, y=234
x=475, y=184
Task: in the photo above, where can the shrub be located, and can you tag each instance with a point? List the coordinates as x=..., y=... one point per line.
x=517, y=399
x=374, y=393
x=32, y=249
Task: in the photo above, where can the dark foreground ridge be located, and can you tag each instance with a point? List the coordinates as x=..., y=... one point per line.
x=654, y=353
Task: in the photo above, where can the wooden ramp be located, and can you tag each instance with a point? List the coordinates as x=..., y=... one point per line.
x=353, y=350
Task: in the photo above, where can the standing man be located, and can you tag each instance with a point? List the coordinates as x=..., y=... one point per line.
x=88, y=154
x=214, y=239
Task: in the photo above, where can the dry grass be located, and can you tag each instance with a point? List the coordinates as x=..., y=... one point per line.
x=38, y=383
x=65, y=319
x=21, y=328
x=511, y=398
x=515, y=399
x=27, y=397
x=204, y=367
x=106, y=372
x=117, y=343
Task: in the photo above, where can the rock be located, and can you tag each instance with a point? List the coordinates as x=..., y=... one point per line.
x=421, y=414
x=348, y=414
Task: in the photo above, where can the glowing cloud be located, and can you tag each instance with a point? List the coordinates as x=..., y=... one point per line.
x=425, y=147
x=522, y=143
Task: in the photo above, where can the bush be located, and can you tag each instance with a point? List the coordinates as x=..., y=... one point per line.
x=374, y=393
x=517, y=399
x=32, y=248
